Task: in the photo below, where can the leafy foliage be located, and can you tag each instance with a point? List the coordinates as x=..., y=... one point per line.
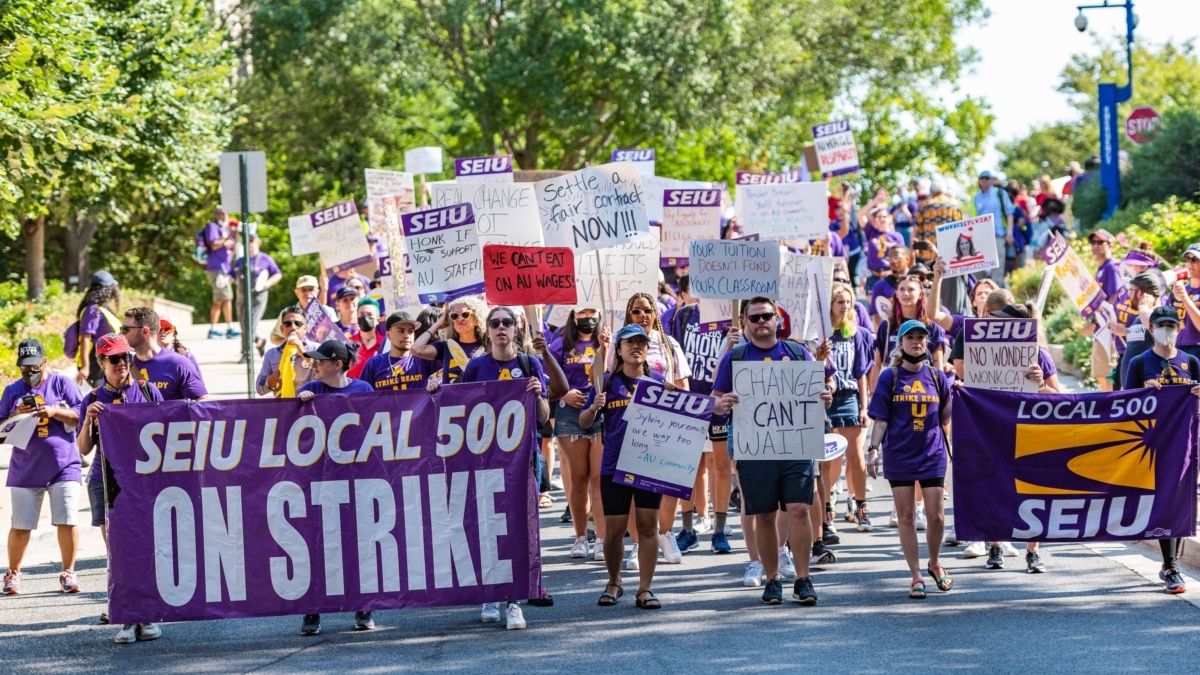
x=1169, y=227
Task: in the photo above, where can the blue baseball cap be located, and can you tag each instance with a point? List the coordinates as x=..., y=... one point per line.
x=103, y=278
x=911, y=325
x=629, y=331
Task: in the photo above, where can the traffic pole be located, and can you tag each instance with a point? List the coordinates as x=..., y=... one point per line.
x=247, y=283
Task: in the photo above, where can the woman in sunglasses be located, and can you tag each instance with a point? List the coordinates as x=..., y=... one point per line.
x=271, y=375
x=461, y=335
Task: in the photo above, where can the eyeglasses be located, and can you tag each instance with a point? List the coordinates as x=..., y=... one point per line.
x=126, y=329
x=464, y=315
x=760, y=318
x=117, y=359
x=496, y=323
x=292, y=324
x=1190, y=259
x=638, y=311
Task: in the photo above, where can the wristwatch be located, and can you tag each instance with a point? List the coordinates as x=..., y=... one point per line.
x=872, y=448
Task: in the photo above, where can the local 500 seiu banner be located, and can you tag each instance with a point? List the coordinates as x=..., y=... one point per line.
x=1085, y=467
x=345, y=503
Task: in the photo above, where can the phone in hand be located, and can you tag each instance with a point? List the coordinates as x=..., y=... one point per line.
x=921, y=245
x=29, y=401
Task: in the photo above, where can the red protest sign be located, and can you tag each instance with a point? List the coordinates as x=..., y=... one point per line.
x=529, y=275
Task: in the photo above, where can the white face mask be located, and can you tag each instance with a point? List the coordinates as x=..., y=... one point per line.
x=1165, y=336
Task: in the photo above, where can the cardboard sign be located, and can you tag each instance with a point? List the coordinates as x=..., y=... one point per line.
x=497, y=169
x=642, y=158
x=399, y=290
x=688, y=215
x=594, y=208
x=734, y=269
x=302, y=235
x=751, y=178
x=1076, y=280
x=779, y=414
x=427, y=160
x=664, y=438
x=796, y=293
x=836, y=152
x=526, y=275
x=625, y=270
x=655, y=188
x=998, y=352
x=783, y=210
x=967, y=246
x=382, y=184
x=444, y=251
x=820, y=285
x=715, y=314
x=339, y=237
x=504, y=213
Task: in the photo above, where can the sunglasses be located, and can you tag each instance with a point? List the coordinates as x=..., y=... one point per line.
x=292, y=324
x=117, y=359
x=497, y=323
x=1190, y=259
x=464, y=315
x=760, y=318
x=637, y=311
x=126, y=329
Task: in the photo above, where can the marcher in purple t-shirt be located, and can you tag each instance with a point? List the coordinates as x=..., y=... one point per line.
x=221, y=242
x=175, y=377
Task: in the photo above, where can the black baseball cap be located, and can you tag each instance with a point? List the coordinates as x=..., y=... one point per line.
x=1151, y=281
x=402, y=317
x=330, y=350
x=1164, y=314
x=30, y=353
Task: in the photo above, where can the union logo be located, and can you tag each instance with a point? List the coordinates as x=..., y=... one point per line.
x=1095, y=458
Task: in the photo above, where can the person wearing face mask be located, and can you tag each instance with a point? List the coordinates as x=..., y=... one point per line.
x=368, y=338
x=48, y=464
x=1133, y=334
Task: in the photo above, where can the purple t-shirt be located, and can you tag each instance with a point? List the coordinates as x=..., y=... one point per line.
x=1046, y=362
x=108, y=395
x=617, y=397
x=92, y=322
x=877, y=248
x=837, y=248
x=452, y=370
x=913, y=446
x=1189, y=334
x=885, y=340
x=384, y=371
x=863, y=317
x=258, y=264
x=218, y=260
x=175, y=377
x=851, y=358
x=779, y=352
x=51, y=456
x=1127, y=315
x=577, y=365
x=1108, y=275
x=882, y=294
x=352, y=387
x=486, y=368
x=1179, y=369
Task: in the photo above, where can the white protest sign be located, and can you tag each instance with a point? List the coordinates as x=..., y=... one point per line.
x=400, y=291
x=505, y=213
x=783, y=210
x=998, y=352
x=688, y=215
x=655, y=187
x=779, y=414
x=836, y=152
x=593, y=208
x=715, y=314
x=626, y=270
x=733, y=269
x=820, y=285
x=664, y=439
x=967, y=246
x=380, y=184
x=641, y=158
x=18, y=430
x=496, y=169
x=427, y=160
x=340, y=238
x=796, y=289
x=443, y=248
x=302, y=235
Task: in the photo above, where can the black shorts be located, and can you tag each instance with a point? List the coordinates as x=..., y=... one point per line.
x=770, y=485
x=617, y=498
x=719, y=432
x=925, y=483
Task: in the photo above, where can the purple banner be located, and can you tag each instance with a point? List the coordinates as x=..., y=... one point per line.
x=1086, y=467
x=664, y=439
x=348, y=502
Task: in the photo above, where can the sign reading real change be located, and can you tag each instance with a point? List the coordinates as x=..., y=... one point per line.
x=688, y=215
x=779, y=414
x=593, y=208
x=733, y=269
x=443, y=249
x=504, y=213
x=526, y=275
x=271, y=507
x=664, y=439
x=998, y=352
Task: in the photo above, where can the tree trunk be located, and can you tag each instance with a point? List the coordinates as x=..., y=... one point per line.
x=34, y=233
x=76, y=237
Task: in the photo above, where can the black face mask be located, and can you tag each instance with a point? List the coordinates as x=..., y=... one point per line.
x=914, y=359
x=32, y=378
x=365, y=324
x=586, y=326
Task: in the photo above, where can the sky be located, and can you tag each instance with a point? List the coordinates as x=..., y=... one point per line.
x=1034, y=39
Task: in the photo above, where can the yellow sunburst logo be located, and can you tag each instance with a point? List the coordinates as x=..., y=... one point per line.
x=1114, y=454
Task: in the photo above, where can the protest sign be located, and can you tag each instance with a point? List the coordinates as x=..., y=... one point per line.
x=302, y=235
x=715, y=314
x=836, y=152
x=443, y=249
x=664, y=438
x=820, y=284
x=734, y=269
x=640, y=158
x=654, y=189
x=382, y=184
x=321, y=327
x=339, y=237
x=998, y=352
x=526, y=275
x=273, y=507
x=625, y=270
x=504, y=213
x=779, y=414
x=399, y=289
x=835, y=446
x=427, y=160
x=783, y=210
x=967, y=246
x=497, y=169
x=1076, y=280
x=1074, y=467
x=593, y=208
x=536, y=176
x=796, y=287
x=751, y=178
x=688, y=215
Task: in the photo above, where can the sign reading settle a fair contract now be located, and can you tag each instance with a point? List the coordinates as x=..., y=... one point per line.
x=593, y=208
x=779, y=414
x=734, y=269
x=528, y=275
x=664, y=439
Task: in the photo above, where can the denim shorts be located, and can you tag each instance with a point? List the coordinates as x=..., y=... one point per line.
x=566, y=422
x=845, y=409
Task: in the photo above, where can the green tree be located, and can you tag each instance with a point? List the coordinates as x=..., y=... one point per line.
x=1168, y=166
x=1048, y=149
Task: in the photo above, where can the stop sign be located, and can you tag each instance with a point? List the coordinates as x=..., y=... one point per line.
x=1142, y=125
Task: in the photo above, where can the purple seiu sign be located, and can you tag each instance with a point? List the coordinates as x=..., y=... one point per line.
x=495, y=169
x=664, y=439
x=1078, y=467
x=687, y=214
x=444, y=252
x=348, y=502
x=633, y=155
x=751, y=178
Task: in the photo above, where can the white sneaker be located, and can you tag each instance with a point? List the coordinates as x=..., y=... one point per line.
x=631, y=561
x=490, y=613
x=1008, y=550
x=893, y=521
x=952, y=538
x=597, y=550
x=669, y=549
x=703, y=525
x=580, y=549
x=919, y=516
x=754, y=575
x=975, y=549
x=787, y=568
x=127, y=634
x=728, y=530
x=148, y=631
x=840, y=486
x=514, y=617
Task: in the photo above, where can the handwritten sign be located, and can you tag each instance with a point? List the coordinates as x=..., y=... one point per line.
x=664, y=439
x=504, y=213
x=526, y=275
x=796, y=286
x=496, y=169
x=423, y=160
x=444, y=251
x=1076, y=280
x=688, y=215
x=967, y=246
x=399, y=290
x=734, y=269
x=655, y=187
x=998, y=352
x=339, y=237
x=715, y=314
x=302, y=235
x=593, y=208
x=751, y=178
x=779, y=414
x=783, y=210
x=836, y=152
x=626, y=270
x=642, y=158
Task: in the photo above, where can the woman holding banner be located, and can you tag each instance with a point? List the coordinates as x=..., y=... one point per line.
x=461, y=338
x=850, y=354
x=911, y=407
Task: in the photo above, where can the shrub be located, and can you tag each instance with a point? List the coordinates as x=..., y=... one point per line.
x=1169, y=227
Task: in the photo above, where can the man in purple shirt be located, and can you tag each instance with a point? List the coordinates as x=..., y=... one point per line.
x=173, y=375
x=1108, y=275
x=264, y=274
x=220, y=242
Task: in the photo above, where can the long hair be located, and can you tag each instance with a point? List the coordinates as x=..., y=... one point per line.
x=100, y=295
x=656, y=327
x=570, y=334
x=477, y=308
x=849, y=325
x=518, y=330
x=982, y=282
x=896, y=316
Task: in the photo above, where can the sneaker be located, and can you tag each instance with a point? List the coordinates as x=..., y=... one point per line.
x=591, y=536
x=631, y=561
x=803, y=592
x=127, y=634
x=363, y=621
x=213, y=334
x=840, y=486
x=543, y=600
x=490, y=613
x=863, y=516
x=893, y=521
x=68, y=582
x=720, y=543
x=975, y=549
x=12, y=583
x=821, y=555
x=669, y=549
x=703, y=525
x=148, y=631
x=580, y=548
x=232, y=332
x=103, y=618
x=995, y=558
x=773, y=593
x=514, y=618
x=829, y=535
x=566, y=516
x=952, y=538
x=311, y=624
x=1033, y=563
x=1008, y=550
x=754, y=575
x=919, y=516
x=687, y=540
x=1174, y=581
x=598, y=551
x=828, y=521
x=787, y=568
x=850, y=515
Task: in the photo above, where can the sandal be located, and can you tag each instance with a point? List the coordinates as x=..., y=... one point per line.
x=941, y=577
x=648, y=601
x=607, y=598
x=917, y=591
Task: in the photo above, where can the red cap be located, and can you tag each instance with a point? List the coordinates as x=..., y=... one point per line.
x=165, y=323
x=112, y=345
